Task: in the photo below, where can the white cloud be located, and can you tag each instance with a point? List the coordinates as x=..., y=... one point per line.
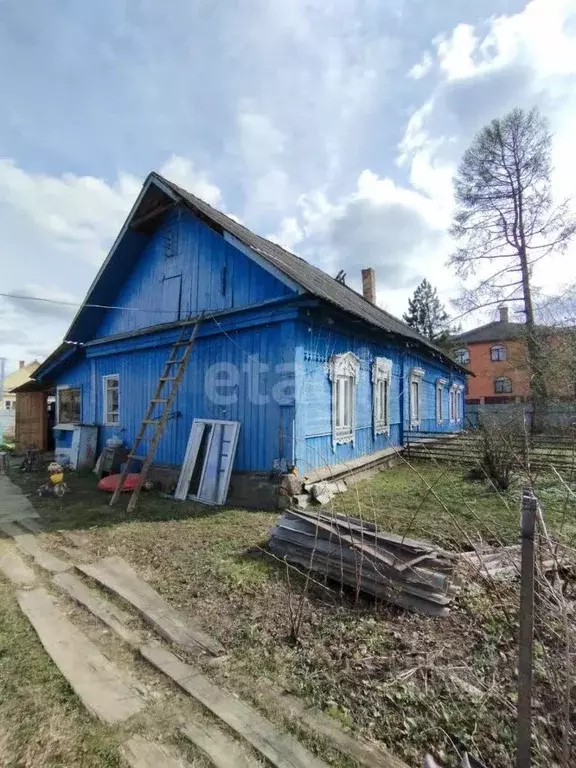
x=525, y=59
x=397, y=231
x=56, y=230
x=75, y=213
x=289, y=234
x=261, y=147
x=422, y=67
x=182, y=172
x=455, y=53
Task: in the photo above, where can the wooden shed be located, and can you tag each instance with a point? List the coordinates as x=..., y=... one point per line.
x=31, y=416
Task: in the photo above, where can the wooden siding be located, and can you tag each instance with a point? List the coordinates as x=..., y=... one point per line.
x=31, y=420
x=317, y=342
x=263, y=403
x=187, y=267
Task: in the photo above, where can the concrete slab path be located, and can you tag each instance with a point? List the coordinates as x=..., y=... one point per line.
x=28, y=543
x=143, y=753
x=13, y=504
x=13, y=567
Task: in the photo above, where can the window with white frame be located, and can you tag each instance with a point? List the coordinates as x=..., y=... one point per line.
x=111, y=399
x=344, y=376
x=462, y=355
x=502, y=385
x=381, y=387
x=453, y=402
x=498, y=352
x=440, y=400
x=416, y=383
x=68, y=405
x=460, y=402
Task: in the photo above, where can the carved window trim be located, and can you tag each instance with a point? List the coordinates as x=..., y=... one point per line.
x=454, y=388
x=381, y=389
x=416, y=399
x=343, y=372
x=440, y=384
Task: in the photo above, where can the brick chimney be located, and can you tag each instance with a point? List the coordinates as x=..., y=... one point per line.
x=21, y=363
x=503, y=314
x=369, y=285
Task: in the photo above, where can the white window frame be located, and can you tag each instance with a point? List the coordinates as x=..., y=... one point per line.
x=453, y=403
x=440, y=384
x=503, y=392
x=460, y=402
x=416, y=377
x=381, y=375
x=343, y=368
x=500, y=348
x=458, y=355
x=62, y=388
x=105, y=413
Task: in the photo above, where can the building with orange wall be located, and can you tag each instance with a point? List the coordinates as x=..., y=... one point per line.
x=496, y=355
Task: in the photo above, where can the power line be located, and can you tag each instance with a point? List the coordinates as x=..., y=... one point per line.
x=91, y=306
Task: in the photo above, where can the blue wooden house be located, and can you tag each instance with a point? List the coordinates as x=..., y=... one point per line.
x=316, y=374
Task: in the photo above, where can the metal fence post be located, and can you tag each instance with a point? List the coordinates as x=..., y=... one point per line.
x=526, y=637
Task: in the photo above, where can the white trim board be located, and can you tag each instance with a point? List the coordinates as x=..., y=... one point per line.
x=218, y=461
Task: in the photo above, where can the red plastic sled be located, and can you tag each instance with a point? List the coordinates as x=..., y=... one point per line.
x=110, y=482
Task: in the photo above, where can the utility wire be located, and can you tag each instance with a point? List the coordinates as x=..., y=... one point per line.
x=91, y=306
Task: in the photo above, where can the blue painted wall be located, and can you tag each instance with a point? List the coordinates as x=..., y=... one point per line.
x=245, y=376
x=272, y=377
x=266, y=368
x=186, y=267
x=78, y=375
x=316, y=343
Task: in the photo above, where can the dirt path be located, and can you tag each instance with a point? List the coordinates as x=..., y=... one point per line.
x=115, y=687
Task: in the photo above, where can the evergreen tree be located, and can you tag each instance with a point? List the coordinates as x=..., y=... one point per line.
x=426, y=314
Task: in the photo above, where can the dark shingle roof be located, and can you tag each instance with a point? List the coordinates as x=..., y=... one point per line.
x=311, y=278
x=496, y=331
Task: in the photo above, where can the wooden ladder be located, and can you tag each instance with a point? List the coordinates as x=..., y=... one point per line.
x=172, y=374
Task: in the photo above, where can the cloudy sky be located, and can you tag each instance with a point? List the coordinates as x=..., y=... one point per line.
x=332, y=127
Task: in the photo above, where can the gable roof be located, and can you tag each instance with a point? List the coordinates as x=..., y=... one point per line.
x=311, y=278
x=152, y=201
x=19, y=376
x=495, y=331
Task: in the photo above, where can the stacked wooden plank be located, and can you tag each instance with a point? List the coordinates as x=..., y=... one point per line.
x=503, y=563
x=409, y=573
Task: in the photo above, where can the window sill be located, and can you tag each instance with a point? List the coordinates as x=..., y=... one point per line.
x=342, y=439
x=382, y=430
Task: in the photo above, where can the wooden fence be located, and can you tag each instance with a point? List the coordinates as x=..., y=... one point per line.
x=540, y=452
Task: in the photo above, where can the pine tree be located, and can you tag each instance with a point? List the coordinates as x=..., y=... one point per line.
x=426, y=314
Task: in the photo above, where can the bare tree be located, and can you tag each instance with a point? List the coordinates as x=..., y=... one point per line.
x=505, y=222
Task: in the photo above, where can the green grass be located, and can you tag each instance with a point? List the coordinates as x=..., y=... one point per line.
x=41, y=720
x=440, y=504
x=376, y=668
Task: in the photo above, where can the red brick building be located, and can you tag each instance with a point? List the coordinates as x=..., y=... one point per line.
x=496, y=354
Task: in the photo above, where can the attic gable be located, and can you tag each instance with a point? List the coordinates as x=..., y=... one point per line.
x=169, y=262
